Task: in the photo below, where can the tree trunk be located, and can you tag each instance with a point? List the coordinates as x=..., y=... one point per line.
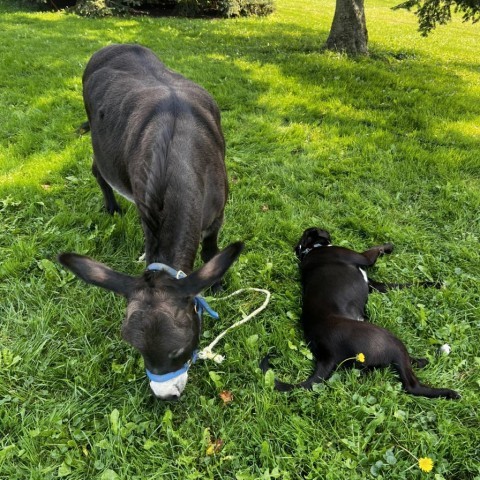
x=349, y=29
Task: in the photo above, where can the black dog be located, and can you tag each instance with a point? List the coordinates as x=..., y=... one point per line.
x=335, y=292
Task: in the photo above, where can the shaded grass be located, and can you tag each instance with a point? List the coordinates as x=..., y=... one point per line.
x=378, y=149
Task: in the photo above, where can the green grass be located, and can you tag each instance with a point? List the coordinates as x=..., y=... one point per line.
x=377, y=149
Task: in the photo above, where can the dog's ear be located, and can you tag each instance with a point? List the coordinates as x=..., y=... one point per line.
x=298, y=249
x=323, y=237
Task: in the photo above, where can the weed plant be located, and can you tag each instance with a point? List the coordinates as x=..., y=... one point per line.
x=377, y=149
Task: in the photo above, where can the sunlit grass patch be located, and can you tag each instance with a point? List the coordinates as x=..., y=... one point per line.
x=377, y=149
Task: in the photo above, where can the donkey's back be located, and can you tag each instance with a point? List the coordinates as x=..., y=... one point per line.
x=157, y=140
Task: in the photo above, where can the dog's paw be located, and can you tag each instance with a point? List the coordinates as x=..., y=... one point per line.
x=420, y=362
x=452, y=394
x=265, y=363
x=387, y=248
x=436, y=284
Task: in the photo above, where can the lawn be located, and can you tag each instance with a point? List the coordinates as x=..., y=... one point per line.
x=376, y=149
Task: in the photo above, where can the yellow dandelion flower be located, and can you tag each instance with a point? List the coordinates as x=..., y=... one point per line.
x=425, y=464
x=210, y=450
x=360, y=358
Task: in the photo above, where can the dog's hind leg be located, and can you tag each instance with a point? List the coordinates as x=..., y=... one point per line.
x=419, y=362
x=322, y=372
x=412, y=385
x=280, y=386
x=380, y=287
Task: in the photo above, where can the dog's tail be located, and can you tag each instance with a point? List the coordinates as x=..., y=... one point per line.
x=84, y=128
x=385, y=287
x=286, y=387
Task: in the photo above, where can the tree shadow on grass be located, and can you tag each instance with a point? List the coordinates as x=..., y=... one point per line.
x=393, y=82
x=267, y=81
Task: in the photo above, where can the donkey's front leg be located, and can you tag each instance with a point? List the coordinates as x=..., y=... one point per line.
x=210, y=247
x=209, y=240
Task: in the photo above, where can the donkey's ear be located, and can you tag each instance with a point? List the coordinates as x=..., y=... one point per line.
x=97, y=273
x=212, y=272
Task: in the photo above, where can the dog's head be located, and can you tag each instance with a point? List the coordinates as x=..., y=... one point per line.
x=161, y=320
x=311, y=238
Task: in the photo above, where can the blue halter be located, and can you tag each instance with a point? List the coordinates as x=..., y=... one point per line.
x=200, y=304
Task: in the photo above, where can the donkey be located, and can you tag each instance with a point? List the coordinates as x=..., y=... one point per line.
x=157, y=140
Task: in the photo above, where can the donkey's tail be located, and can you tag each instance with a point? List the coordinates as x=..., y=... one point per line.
x=84, y=128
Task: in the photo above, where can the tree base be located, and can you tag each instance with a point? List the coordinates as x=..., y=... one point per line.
x=349, y=29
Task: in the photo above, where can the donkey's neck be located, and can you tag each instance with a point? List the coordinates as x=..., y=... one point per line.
x=176, y=252
x=171, y=228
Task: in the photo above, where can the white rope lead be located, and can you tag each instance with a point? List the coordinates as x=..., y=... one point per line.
x=207, y=352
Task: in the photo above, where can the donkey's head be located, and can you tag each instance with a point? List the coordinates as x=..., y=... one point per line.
x=161, y=320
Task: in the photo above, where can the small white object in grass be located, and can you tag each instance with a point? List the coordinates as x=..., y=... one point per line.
x=445, y=349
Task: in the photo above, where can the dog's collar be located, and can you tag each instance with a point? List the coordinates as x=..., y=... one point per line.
x=303, y=253
x=200, y=305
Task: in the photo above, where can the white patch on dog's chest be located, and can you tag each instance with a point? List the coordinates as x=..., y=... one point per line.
x=364, y=274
